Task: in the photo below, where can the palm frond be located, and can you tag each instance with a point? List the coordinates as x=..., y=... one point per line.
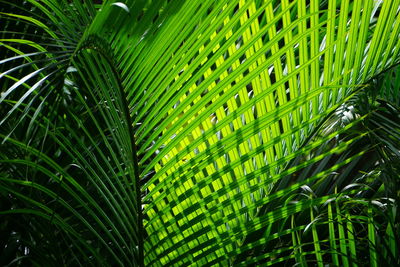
x=200, y=132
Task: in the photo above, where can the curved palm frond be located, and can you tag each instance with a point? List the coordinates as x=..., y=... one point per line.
x=200, y=132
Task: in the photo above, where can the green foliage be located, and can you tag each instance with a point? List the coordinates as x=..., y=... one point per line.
x=170, y=133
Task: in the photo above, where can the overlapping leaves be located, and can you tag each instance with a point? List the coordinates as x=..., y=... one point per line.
x=198, y=132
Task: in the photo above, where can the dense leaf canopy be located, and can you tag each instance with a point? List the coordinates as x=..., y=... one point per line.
x=176, y=133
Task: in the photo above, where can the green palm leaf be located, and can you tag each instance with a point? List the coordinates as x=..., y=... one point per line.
x=199, y=132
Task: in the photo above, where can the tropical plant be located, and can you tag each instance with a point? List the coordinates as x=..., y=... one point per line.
x=175, y=133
